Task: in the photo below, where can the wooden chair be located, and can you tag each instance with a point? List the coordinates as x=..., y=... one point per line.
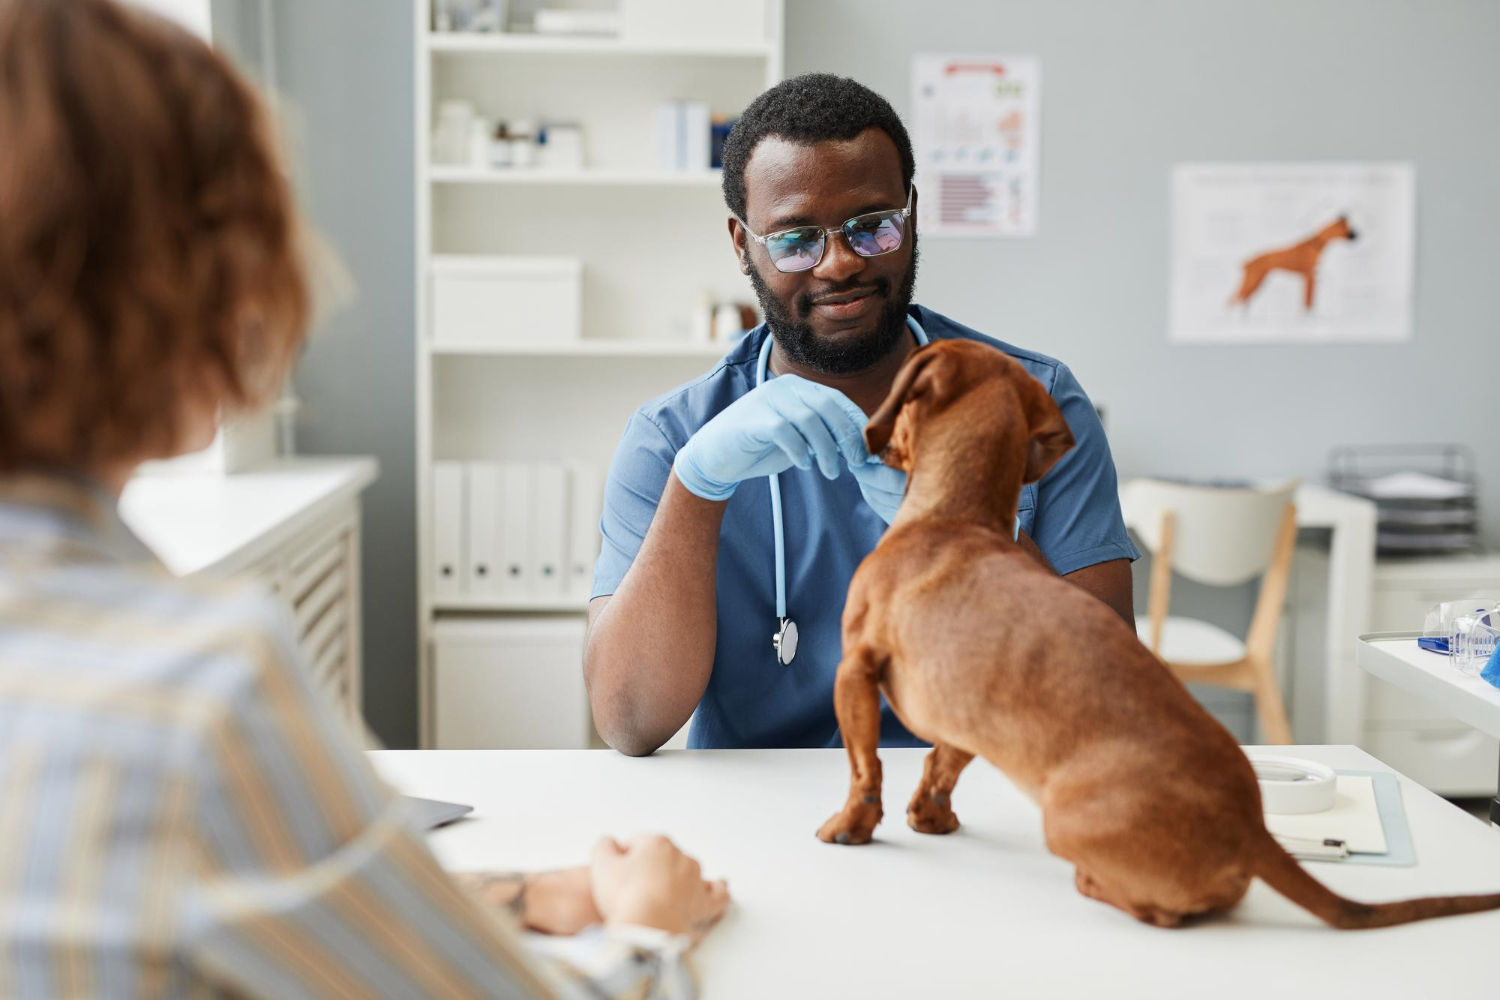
x=1220, y=537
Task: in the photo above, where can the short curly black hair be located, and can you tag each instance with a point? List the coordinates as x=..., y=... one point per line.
x=813, y=107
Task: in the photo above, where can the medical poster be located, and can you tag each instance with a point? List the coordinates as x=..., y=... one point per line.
x=1292, y=253
x=977, y=133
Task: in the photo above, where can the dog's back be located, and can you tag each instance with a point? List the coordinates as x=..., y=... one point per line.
x=1047, y=671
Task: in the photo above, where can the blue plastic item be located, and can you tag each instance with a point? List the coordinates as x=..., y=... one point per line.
x=1491, y=671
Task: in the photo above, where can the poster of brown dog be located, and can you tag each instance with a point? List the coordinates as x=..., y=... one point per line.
x=1292, y=253
x=1300, y=259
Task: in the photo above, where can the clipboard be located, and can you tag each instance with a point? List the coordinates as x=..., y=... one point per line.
x=1399, y=852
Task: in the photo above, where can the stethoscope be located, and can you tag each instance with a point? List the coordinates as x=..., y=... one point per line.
x=785, y=636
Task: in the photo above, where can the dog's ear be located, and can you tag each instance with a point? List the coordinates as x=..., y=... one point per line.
x=1049, y=438
x=919, y=376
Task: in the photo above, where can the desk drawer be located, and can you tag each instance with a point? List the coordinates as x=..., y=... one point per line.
x=1447, y=758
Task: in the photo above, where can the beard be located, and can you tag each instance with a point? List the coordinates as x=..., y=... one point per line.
x=849, y=353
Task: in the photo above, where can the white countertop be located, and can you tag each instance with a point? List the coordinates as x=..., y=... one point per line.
x=986, y=911
x=209, y=522
x=1395, y=657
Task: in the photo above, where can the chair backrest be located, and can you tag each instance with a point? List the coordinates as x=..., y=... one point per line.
x=1221, y=536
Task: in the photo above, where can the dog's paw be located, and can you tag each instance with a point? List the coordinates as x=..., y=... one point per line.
x=926, y=815
x=842, y=828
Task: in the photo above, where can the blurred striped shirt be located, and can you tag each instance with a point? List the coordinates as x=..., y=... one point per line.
x=183, y=816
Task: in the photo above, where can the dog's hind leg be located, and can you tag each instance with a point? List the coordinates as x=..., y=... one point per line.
x=856, y=701
x=930, y=809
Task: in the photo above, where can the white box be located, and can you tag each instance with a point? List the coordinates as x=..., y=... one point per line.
x=509, y=684
x=479, y=300
x=482, y=518
x=244, y=442
x=693, y=20
x=585, y=502
x=448, y=569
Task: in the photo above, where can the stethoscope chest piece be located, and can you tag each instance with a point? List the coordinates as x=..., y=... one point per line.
x=785, y=641
x=785, y=637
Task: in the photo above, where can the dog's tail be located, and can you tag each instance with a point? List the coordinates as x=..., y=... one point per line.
x=1281, y=872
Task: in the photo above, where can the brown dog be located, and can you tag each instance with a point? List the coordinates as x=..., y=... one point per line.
x=1300, y=258
x=984, y=652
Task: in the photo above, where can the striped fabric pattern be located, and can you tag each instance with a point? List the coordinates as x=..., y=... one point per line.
x=184, y=816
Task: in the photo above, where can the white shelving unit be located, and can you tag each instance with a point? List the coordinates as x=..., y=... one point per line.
x=594, y=177
x=653, y=245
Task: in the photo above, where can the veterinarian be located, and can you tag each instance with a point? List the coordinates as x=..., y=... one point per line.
x=685, y=612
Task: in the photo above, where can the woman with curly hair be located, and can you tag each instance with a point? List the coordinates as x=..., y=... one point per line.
x=182, y=815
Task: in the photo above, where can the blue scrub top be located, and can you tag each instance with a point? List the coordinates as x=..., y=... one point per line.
x=1073, y=515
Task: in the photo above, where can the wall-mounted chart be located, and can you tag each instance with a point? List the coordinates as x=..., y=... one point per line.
x=1292, y=253
x=977, y=132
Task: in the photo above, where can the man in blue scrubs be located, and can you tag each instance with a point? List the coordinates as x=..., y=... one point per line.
x=818, y=180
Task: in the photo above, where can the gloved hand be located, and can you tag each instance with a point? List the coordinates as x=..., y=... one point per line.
x=882, y=486
x=785, y=422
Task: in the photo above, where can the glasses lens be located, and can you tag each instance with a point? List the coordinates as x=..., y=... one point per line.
x=875, y=234
x=795, y=249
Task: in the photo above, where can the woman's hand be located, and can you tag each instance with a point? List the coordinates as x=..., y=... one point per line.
x=556, y=902
x=649, y=882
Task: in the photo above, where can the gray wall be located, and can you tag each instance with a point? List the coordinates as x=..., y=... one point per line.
x=1130, y=87
x=346, y=73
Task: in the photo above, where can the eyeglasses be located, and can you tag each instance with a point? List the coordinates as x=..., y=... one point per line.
x=871, y=235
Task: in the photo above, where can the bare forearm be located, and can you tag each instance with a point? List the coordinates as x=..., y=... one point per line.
x=554, y=902
x=651, y=644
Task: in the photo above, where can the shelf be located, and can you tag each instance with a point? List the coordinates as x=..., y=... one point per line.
x=602, y=178
x=589, y=348
x=503, y=604
x=582, y=45
x=1395, y=658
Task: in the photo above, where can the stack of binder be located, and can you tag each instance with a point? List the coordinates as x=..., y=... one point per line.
x=514, y=530
x=1426, y=496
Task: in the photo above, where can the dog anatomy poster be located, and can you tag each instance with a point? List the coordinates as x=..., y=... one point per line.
x=1292, y=253
x=977, y=136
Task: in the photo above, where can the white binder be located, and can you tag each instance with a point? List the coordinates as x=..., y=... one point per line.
x=483, y=522
x=550, y=514
x=697, y=133
x=583, y=534
x=515, y=529
x=448, y=567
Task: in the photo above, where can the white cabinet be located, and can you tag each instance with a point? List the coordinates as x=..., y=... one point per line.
x=509, y=684
x=1402, y=729
x=292, y=524
x=317, y=574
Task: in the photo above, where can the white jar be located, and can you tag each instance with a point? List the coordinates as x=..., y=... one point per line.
x=478, y=153
x=450, y=136
x=522, y=145
x=500, y=148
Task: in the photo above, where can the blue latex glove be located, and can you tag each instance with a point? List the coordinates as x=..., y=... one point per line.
x=882, y=486
x=785, y=422
x=1491, y=671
